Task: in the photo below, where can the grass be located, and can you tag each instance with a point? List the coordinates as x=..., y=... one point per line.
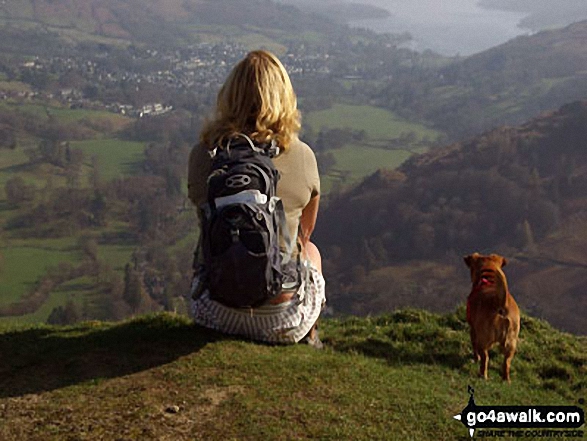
x=354, y=162
x=64, y=115
x=116, y=157
x=10, y=157
x=26, y=260
x=14, y=86
x=35, y=110
x=73, y=115
x=20, y=9
x=357, y=160
x=361, y=161
x=24, y=265
x=380, y=124
x=254, y=41
x=77, y=35
x=76, y=290
x=395, y=377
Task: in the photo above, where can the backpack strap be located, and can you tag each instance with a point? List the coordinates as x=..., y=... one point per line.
x=285, y=256
x=272, y=150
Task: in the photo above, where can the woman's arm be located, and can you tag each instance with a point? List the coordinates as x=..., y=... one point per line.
x=308, y=219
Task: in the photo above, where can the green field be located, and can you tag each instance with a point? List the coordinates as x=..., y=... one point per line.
x=354, y=162
x=14, y=86
x=25, y=264
x=73, y=115
x=57, y=298
x=116, y=157
x=9, y=162
x=26, y=260
x=357, y=160
x=108, y=121
x=380, y=124
x=360, y=160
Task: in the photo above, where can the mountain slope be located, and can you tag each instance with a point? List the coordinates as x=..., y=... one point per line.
x=507, y=84
x=542, y=14
x=155, y=22
x=518, y=191
x=159, y=377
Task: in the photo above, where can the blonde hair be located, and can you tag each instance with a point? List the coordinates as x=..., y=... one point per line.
x=257, y=99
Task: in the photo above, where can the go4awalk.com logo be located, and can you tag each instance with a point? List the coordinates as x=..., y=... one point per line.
x=519, y=421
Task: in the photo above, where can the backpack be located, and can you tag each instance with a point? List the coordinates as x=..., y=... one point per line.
x=243, y=225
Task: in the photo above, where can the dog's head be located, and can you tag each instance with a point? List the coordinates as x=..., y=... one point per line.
x=483, y=268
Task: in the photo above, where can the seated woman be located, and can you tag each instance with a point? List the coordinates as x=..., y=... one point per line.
x=258, y=100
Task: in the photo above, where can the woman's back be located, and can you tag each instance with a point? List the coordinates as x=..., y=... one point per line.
x=299, y=180
x=258, y=100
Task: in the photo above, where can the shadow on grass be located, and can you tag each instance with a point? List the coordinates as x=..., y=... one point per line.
x=5, y=206
x=452, y=354
x=47, y=358
x=132, y=167
x=18, y=168
x=406, y=337
x=118, y=237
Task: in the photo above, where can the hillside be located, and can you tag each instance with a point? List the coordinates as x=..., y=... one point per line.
x=401, y=376
x=542, y=14
x=507, y=84
x=94, y=223
x=156, y=22
x=519, y=191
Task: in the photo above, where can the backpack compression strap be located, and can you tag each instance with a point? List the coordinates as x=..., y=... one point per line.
x=271, y=151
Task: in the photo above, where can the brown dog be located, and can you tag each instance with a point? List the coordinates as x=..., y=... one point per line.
x=492, y=312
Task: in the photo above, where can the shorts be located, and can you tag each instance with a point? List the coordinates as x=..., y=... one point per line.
x=286, y=322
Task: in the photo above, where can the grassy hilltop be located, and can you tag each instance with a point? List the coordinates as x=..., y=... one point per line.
x=400, y=376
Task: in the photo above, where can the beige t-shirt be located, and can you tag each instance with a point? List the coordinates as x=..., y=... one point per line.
x=299, y=180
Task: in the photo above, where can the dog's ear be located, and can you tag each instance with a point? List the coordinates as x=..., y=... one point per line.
x=500, y=260
x=469, y=259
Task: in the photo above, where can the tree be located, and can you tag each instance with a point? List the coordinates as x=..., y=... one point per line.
x=134, y=292
x=98, y=208
x=326, y=161
x=95, y=173
x=67, y=315
x=7, y=137
x=528, y=243
x=18, y=192
x=89, y=247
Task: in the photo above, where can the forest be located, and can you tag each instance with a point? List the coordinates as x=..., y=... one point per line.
x=509, y=190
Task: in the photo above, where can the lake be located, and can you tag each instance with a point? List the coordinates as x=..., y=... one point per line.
x=448, y=27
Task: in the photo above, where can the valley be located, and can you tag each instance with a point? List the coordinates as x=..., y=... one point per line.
x=97, y=118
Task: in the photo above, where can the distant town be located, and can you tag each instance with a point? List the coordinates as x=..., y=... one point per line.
x=203, y=66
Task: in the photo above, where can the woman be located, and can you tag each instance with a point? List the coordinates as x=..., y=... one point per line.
x=258, y=100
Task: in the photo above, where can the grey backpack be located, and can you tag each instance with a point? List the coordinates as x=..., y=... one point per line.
x=243, y=226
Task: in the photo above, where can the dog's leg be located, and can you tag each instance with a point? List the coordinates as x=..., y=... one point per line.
x=508, y=354
x=484, y=364
x=476, y=356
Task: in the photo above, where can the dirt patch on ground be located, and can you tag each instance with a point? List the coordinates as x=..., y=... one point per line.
x=144, y=406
